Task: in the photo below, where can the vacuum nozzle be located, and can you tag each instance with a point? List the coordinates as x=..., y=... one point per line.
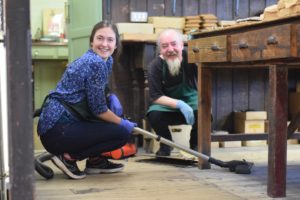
x=240, y=167
x=237, y=166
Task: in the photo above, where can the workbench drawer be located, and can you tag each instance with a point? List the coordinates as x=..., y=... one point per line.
x=43, y=52
x=49, y=52
x=264, y=44
x=210, y=49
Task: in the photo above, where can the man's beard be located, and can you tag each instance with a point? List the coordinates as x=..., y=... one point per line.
x=174, y=66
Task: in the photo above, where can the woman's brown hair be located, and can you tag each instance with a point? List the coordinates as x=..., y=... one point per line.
x=105, y=24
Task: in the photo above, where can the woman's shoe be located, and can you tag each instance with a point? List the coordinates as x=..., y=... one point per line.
x=68, y=167
x=102, y=165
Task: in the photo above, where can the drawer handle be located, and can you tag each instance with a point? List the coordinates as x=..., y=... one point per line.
x=196, y=49
x=215, y=47
x=243, y=45
x=272, y=40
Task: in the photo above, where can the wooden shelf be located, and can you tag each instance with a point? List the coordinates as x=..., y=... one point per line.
x=244, y=137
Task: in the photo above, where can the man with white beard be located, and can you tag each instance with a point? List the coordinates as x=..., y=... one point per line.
x=172, y=89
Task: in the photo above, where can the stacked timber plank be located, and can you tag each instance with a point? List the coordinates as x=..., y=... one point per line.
x=192, y=24
x=283, y=8
x=200, y=22
x=209, y=22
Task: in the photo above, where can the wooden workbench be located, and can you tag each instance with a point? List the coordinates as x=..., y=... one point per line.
x=274, y=45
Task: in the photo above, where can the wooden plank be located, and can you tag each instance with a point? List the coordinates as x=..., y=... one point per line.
x=143, y=178
x=256, y=89
x=156, y=8
x=239, y=137
x=122, y=8
x=224, y=100
x=121, y=79
x=173, y=10
x=190, y=7
x=245, y=137
x=106, y=10
x=138, y=5
x=154, y=180
x=204, y=120
x=137, y=83
x=240, y=89
x=256, y=7
x=228, y=9
x=208, y=6
x=224, y=9
x=214, y=98
x=277, y=131
x=293, y=77
x=241, y=9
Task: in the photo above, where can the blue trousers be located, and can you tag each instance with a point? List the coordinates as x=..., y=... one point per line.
x=84, y=139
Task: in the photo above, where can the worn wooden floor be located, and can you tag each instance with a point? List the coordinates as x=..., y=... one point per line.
x=145, y=179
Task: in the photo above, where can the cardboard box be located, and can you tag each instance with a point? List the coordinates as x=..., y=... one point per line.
x=251, y=115
x=227, y=144
x=214, y=144
x=254, y=143
x=230, y=144
x=143, y=28
x=249, y=126
x=158, y=30
x=292, y=141
x=138, y=37
x=167, y=22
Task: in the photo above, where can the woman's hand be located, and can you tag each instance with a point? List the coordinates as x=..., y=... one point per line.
x=128, y=124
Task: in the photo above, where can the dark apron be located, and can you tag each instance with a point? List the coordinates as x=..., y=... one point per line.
x=79, y=110
x=181, y=91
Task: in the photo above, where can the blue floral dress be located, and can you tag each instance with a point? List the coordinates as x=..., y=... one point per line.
x=84, y=79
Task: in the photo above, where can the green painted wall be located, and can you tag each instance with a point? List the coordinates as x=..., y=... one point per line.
x=80, y=25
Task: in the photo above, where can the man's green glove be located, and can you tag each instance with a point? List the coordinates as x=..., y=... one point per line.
x=187, y=112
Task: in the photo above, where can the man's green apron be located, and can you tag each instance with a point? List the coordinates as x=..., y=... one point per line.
x=181, y=91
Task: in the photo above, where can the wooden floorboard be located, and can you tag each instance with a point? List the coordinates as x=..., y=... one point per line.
x=145, y=179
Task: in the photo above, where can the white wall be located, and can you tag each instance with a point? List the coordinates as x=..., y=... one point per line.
x=36, y=11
